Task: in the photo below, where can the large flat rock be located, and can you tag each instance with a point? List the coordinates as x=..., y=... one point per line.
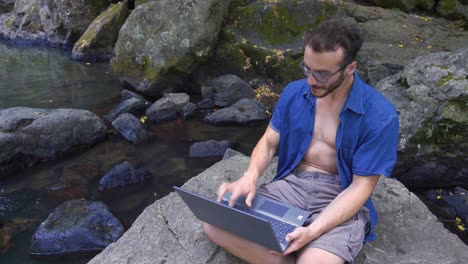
x=167, y=232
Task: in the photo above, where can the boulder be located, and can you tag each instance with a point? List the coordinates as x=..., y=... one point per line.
x=132, y=105
x=131, y=128
x=168, y=232
x=189, y=110
x=179, y=99
x=265, y=38
x=245, y=111
x=123, y=174
x=56, y=23
x=451, y=9
x=210, y=148
x=430, y=95
x=162, y=41
x=126, y=94
x=76, y=227
x=229, y=89
x=30, y=135
x=97, y=43
x=162, y=110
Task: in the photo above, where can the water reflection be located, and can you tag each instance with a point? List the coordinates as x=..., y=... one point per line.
x=47, y=78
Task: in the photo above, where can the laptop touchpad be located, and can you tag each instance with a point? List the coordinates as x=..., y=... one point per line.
x=273, y=208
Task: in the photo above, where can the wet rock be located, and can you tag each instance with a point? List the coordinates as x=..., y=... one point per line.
x=76, y=227
x=97, y=43
x=162, y=110
x=206, y=103
x=132, y=105
x=14, y=202
x=123, y=174
x=56, y=23
x=189, y=110
x=243, y=112
x=160, y=56
x=229, y=89
x=31, y=135
x=131, y=128
x=210, y=148
x=126, y=94
x=179, y=99
x=6, y=6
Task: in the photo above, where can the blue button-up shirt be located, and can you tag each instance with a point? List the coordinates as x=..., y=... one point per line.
x=366, y=139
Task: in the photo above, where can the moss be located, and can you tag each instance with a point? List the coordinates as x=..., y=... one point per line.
x=9, y=23
x=448, y=5
x=445, y=79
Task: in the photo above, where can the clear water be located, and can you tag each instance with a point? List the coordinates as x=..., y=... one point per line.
x=48, y=78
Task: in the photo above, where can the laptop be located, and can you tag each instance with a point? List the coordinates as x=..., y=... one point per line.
x=266, y=223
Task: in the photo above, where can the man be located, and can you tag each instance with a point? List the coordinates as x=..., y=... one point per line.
x=336, y=136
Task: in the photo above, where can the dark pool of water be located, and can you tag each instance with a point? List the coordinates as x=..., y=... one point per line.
x=48, y=78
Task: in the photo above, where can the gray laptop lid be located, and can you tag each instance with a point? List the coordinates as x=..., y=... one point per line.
x=248, y=226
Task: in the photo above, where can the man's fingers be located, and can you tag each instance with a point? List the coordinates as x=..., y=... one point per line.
x=249, y=198
x=222, y=191
x=291, y=236
x=234, y=197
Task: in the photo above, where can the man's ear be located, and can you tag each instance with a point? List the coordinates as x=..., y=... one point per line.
x=351, y=67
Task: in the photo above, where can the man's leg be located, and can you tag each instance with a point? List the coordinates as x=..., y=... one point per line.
x=318, y=256
x=242, y=248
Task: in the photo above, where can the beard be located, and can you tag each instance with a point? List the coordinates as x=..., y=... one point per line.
x=320, y=91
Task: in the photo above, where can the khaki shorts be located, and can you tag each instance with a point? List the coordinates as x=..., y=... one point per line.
x=313, y=191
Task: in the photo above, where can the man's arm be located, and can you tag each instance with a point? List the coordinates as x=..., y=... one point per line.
x=341, y=209
x=259, y=161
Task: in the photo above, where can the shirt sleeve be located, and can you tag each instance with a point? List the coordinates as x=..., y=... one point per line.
x=277, y=117
x=378, y=152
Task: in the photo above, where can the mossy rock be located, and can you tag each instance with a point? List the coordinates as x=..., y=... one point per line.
x=266, y=38
x=451, y=9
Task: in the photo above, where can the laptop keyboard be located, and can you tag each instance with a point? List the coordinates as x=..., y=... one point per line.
x=281, y=228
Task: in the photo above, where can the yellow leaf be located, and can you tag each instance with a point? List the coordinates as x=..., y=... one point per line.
x=400, y=46
x=461, y=227
x=439, y=197
x=390, y=45
x=458, y=219
x=429, y=47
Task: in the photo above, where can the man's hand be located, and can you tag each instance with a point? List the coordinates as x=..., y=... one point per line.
x=298, y=238
x=243, y=186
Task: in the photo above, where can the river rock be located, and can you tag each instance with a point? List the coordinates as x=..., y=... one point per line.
x=164, y=40
x=206, y=103
x=123, y=174
x=31, y=135
x=431, y=94
x=131, y=128
x=97, y=43
x=189, y=110
x=407, y=231
x=132, y=105
x=179, y=99
x=54, y=22
x=162, y=110
x=76, y=227
x=126, y=94
x=245, y=111
x=229, y=89
x=210, y=148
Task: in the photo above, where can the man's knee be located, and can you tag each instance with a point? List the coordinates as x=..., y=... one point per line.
x=212, y=233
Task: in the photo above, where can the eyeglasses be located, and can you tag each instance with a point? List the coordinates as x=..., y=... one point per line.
x=321, y=77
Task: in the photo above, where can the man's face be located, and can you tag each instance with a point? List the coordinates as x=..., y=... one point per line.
x=324, y=71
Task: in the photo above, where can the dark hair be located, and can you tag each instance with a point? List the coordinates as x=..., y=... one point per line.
x=334, y=34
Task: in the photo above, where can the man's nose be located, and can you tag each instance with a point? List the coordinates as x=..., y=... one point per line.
x=311, y=80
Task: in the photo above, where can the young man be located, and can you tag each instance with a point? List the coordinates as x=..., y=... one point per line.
x=336, y=136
